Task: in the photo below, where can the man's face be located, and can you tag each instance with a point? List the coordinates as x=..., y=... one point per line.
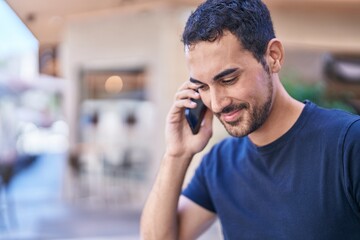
x=232, y=83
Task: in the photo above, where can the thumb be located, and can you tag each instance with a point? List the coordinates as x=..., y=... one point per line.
x=207, y=121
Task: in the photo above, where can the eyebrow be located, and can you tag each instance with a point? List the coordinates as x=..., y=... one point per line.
x=193, y=80
x=217, y=76
x=224, y=73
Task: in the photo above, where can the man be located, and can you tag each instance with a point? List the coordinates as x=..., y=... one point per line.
x=291, y=170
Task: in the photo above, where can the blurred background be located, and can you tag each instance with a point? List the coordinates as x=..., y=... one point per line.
x=85, y=87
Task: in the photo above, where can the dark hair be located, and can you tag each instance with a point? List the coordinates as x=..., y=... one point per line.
x=248, y=20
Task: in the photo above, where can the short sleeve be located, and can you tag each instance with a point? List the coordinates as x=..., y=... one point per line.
x=198, y=189
x=351, y=155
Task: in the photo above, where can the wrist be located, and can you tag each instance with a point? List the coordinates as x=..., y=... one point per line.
x=178, y=156
x=179, y=161
x=175, y=165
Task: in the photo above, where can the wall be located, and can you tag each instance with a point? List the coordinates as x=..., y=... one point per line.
x=147, y=39
x=318, y=26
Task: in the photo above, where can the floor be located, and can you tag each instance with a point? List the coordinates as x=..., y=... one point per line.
x=33, y=209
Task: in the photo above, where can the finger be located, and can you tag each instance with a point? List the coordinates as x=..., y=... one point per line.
x=185, y=103
x=188, y=85
x=187, y=93
x=207, y=121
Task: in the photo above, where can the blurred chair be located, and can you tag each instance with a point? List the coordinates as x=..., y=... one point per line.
x=7, y=217
x=342, y=73
x=124, y=179
x=11, y=167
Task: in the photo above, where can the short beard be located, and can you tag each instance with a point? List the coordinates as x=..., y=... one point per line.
x=243, y=127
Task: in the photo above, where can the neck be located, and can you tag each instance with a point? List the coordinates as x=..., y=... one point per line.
x=284, y=113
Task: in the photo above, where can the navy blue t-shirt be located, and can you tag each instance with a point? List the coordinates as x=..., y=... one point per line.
x=304, y=185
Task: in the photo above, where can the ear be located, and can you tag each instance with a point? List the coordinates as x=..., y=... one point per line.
x=275, y=55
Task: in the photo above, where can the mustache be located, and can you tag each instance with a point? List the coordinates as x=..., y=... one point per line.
x=233, y=107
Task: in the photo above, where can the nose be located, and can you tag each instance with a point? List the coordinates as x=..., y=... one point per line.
x=218, y=100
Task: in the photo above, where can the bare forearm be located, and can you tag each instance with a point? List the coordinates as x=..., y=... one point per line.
x=159, y=218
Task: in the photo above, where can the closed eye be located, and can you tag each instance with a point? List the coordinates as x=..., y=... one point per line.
x=203, y=87
x=229, y=81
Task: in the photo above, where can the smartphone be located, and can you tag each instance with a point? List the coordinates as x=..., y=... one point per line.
x=194, y=116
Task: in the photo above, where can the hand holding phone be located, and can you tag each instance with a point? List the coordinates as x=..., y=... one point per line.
x=194, y=116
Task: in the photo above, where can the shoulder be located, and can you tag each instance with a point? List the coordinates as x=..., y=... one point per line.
x=228, y=146
x=333, y=121
x=227, y=150
x=229, y=143
x=353, y=130
x=333, y=116
x=352, y=137
x=351, y=161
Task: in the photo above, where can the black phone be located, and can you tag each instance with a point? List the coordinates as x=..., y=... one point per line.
x=194, y=116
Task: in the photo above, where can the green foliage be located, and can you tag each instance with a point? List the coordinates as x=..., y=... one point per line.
x=314, y=92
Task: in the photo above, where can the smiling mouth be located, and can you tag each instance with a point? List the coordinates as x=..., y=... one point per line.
x=232, y=116
x=232, y=113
